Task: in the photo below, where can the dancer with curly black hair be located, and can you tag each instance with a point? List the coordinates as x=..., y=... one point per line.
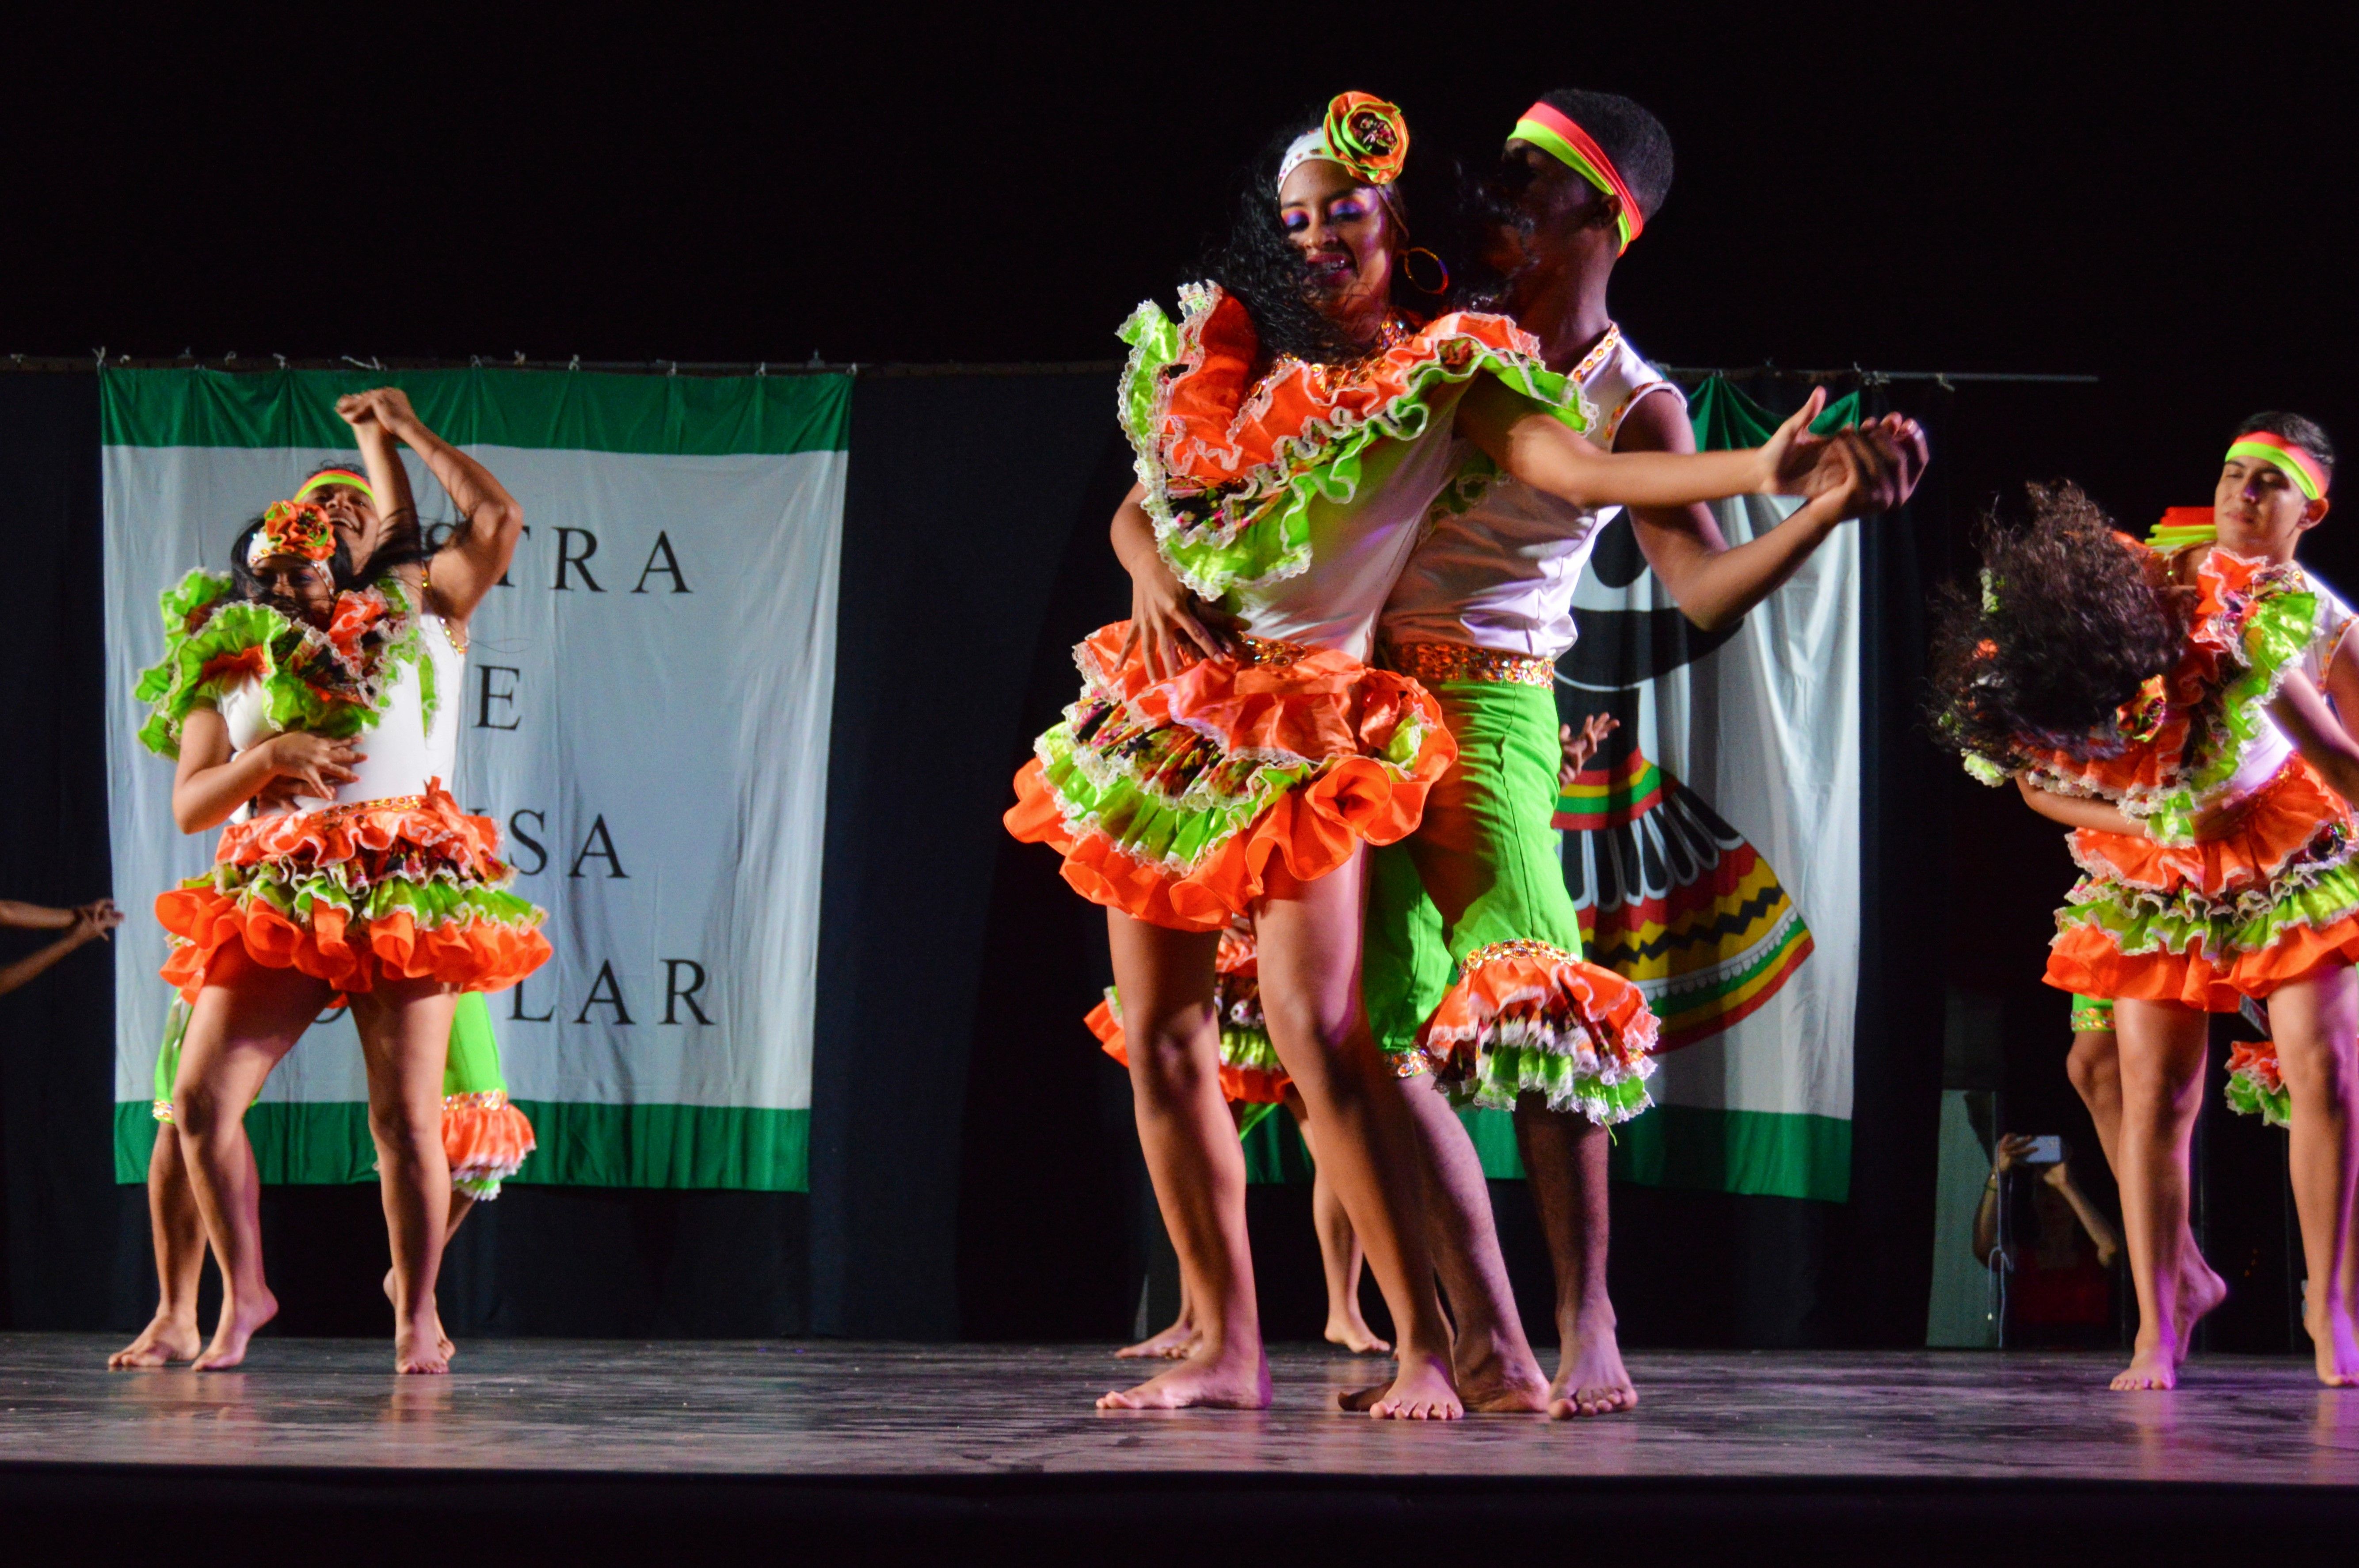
x=2157, y=704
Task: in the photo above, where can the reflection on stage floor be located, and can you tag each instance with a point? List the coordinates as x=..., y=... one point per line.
x=821, y=1409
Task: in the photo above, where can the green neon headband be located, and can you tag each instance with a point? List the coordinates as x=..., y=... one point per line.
x=337, y=476
x=2307, y=475
x=1555, y=133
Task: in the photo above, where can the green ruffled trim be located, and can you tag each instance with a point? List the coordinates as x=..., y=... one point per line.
x=2272, y=640
x=1981, y=770
x=434, y=901
x=2139, y=920
x=408, y=646
x=1504, y=1073
x=1098, y=794
x=2248, y=1095
x=1258, y=531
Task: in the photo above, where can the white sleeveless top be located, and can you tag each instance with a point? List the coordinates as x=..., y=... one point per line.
x=402, y=752
x=1501, y=575
x=1357, y=548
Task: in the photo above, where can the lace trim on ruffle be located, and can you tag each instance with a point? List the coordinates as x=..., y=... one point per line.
x=1318, y=460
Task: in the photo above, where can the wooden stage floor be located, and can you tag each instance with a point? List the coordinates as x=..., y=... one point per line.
x=1730, y=1448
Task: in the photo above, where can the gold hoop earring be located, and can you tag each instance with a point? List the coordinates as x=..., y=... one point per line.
x=1409, y=271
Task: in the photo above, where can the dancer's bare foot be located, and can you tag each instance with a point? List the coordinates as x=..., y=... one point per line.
x=420, y=1348
x=164, y=1340
x=2200, y=1290
x=2337, y=1347
x=1354, y=1335
x=238, y=1322
x=1589, y=1377
x=1492, y=1385
x=1421, y=1390
x=2150, y=1367
x=442, y=1340
x=1231, y=1381
x=1172, y=1345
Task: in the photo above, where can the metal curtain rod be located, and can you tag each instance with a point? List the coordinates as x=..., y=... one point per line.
x=232, y=365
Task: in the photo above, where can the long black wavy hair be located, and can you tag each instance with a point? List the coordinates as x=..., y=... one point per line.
x=1258, y=262
x=2065, y=625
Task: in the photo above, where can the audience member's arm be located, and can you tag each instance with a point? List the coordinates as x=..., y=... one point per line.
x=88, y=924
x=2092, y=1218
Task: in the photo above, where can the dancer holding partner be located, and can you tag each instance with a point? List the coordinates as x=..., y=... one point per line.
x=1291, y=431
x=2156, y=704
x=1476, y=895
x=484, y=1137
x=390, y=897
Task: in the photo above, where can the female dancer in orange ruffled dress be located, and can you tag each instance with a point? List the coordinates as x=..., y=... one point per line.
x=389, y=897
x=2156, y=704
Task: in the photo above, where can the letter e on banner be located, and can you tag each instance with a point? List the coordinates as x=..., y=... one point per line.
x=488, y=692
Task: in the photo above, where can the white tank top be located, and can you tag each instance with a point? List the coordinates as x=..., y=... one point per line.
x=1502, y=574
x=403, y=751
x=1357, y=547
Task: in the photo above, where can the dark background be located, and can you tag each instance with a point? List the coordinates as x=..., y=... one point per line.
x=2162, y=207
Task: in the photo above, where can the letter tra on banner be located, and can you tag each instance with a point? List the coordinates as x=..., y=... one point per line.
x=644, y=716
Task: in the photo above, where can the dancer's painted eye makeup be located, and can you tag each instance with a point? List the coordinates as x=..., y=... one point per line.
x=1347, y=209
x=1295, y=219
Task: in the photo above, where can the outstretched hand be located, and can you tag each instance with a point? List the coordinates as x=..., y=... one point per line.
x=95, y=919
x=1791, y=454
x=313, y=761
x=1578, y=749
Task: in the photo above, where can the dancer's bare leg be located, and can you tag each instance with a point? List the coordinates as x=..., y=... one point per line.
x=1308, y=935
x=2162, y=1048
x=405, y=1029
x=1496, y=1369
x=1174, y=1342
x=462, y=1205
x=178, y=1232
x=2094, y=1066
x=1339, y=1250
x=1565, y=1158
x=1192, y=1155
x=245, y=1019
x=2315, y=1021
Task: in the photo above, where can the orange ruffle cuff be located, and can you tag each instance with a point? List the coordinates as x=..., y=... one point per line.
x=486, y=1137
x=409, y=888
x=1529, y=1018
x=1183, y=801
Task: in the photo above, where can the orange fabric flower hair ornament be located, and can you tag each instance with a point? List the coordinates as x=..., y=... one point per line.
x=293, y=529
x=1367, y=136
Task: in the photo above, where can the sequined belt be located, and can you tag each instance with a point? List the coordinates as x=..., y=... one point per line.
x=1431, y=664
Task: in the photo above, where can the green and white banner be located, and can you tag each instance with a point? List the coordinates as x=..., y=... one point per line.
x=646, y=716
x=1713, y=846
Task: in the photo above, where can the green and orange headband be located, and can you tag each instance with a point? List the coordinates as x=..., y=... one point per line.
x=2308, y=475
x=1555, y=133
x=345, y=477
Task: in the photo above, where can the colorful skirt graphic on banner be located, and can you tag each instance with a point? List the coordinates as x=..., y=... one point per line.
x=1674, y=899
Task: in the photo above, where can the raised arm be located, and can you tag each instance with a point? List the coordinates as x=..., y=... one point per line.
x=2077, y=811
x=477, y=556
x=211, y=783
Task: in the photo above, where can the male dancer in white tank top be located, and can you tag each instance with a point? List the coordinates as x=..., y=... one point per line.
x=1479, y=615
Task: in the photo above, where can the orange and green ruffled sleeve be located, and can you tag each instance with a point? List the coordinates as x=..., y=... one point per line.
x=1231, y=465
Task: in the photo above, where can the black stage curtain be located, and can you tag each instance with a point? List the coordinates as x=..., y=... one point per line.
x=974, y=1173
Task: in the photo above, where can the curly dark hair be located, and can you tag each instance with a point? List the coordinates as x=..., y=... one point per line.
x=1259, y=264
x=2064, y=627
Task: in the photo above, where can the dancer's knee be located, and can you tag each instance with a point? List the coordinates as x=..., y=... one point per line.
x=201, y=1113
x=1173, y=1060
x=2094, y=1064
x=404, y=1132
x=2315, y=1065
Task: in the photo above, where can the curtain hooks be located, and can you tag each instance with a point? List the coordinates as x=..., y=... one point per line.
x=576, y=365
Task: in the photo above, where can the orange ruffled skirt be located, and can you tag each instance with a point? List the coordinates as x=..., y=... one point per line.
x=410, y=888
x=2203, y=923
x=1181, y=802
